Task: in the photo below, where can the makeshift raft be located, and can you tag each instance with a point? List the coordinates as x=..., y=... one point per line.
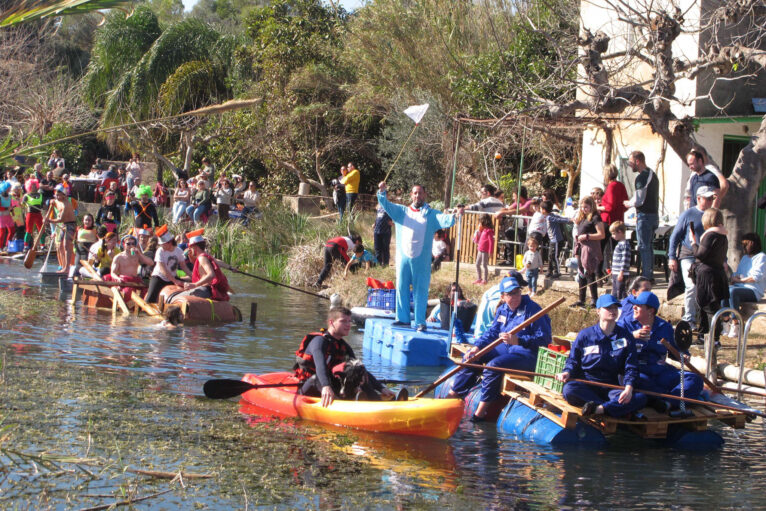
x=538, y=414
x=404, y=345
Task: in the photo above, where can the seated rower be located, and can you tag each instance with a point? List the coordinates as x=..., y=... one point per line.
x=126, y=264
x=101, y=254
x=518, y=351
x=208, y=281
x=655, y=373
x=321, y=353
x=169, y=259
x=601, y=353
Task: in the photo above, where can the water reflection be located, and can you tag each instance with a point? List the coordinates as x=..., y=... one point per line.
x=502, y=471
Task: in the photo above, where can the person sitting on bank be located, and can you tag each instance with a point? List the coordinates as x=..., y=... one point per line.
x=208, y=281
x=518, y=351
x=360, y=257
x=168, y=260
x=336, y=249
x=144, y=210
x=321, y=352
x=126, y=264
x=602, y=353
x=64, y=215
x=655, y=373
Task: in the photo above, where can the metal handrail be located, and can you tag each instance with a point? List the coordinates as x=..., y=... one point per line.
x=710, y=340
x=742, y=346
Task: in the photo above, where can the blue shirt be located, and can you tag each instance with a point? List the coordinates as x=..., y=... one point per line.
x=554, y=227
x=596, y=356
x=365, y=257
x=755, y=267
x=532, y=337
x=706, y=178
x=682, y=234
x=651, y=353
x=382, y=222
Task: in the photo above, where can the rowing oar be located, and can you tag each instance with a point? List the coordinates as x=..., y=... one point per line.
x=614, y=387
x=237, y=270
x=226, y=388
x=492, y=346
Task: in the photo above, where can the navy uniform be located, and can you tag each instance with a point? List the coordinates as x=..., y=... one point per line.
x=522, y=356
x=654, y=373
x=598, y=357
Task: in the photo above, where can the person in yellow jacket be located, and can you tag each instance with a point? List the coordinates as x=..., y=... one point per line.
x=351, y=179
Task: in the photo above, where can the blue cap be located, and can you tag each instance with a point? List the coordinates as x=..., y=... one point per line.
x=606, y=300
x=516, y=275
x=508, y=284
x=646, y=298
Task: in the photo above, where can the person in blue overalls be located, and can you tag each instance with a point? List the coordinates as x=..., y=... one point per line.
x=415, y=228
x=601, y=353
x=655, y=374
x=518, y=351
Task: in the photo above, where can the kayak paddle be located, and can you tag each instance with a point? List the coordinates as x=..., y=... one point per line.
x=226, y=388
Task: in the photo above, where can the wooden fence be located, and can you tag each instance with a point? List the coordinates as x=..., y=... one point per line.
x=468, y=249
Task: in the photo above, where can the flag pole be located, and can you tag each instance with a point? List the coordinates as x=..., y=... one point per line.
x=400, y=152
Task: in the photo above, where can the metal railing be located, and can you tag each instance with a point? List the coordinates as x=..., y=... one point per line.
x=742, y=346
x=710, y=339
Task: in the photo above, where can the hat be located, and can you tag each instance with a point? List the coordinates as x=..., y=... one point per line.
x=129, y=237
x=606, y=300
x=705, y=191
x=143, y=232
x=61, y=188
x=163, y=234
x=516, y=274
x=5, y=186
x=646, y=298
x=508, y=284
x=195, y=236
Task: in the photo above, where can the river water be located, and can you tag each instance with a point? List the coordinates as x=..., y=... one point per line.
x=493, y=471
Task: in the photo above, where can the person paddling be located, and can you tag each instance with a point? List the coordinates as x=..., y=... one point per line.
x=324, y=354
x=208, y=281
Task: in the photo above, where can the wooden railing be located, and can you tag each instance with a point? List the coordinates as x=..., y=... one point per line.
x=468, y=249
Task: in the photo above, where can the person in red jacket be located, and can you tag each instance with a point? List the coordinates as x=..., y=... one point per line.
x=208, y=281
x=612, y=208
x=336, y=248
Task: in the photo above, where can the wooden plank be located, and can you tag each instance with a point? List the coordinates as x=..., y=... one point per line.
x=75, y=287
x=150, y=309
x=569, y=419
x=535, y=399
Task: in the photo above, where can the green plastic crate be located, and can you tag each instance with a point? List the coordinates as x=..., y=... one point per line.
x=550, y=362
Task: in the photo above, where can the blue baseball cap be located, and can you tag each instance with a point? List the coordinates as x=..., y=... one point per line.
x=606, y=300
x=646, y=298
x=508, y=284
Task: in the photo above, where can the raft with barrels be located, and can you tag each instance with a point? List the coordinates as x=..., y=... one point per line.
x=536, y=411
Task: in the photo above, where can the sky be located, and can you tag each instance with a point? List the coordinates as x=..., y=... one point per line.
x=349, y=5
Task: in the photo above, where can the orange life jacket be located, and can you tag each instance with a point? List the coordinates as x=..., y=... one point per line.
x=337, y=353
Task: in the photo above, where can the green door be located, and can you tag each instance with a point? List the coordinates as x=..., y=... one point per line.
x=732, y=146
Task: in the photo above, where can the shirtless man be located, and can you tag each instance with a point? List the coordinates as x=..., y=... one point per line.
x=125, y=264
x=64, y=216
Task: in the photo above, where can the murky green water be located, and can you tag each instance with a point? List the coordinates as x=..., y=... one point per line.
x=116, y=394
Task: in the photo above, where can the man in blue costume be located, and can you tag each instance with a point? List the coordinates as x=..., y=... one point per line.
x=655, y=373
x=601, y=353
x=518, y=351
x=415, y=228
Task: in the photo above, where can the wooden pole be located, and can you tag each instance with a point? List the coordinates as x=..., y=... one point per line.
x=253, y=312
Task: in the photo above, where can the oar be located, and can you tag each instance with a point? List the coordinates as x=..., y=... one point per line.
x=492, y=346
x=226, y=388
x=614, y=387
x=237, y=270
x=44, y=267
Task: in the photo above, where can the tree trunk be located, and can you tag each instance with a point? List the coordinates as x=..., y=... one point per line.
x=326, y=196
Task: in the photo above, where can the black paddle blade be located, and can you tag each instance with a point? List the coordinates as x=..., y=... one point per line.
x=683, y=335
x=224, y=389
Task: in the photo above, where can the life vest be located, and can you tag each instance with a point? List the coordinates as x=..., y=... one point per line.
x=220, y=284
x=337, y=353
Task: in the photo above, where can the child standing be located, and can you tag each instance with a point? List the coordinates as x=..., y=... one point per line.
x=532, y=261
x=538, y=226
x=555, y=237
x=484, y=237
x=620, y=260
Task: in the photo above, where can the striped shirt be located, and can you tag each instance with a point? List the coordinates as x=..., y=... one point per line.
x=621, y=257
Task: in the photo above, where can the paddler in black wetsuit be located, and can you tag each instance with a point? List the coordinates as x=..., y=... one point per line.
x=322, y=353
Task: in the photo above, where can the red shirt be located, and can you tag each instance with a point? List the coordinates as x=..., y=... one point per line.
x=614, y=209
x=220, y=285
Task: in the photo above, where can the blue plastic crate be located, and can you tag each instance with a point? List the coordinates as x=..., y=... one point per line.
x=16, y=246
x=381, y=299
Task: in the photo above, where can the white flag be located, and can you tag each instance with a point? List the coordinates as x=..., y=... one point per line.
x=416, y=112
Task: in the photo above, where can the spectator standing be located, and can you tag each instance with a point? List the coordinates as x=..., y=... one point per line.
x=680, y=252
x=484, y=238
x=590, y=232
x=134, y=169
x=488, y=202
x=532, y=262
x=223, y=195
x=612, y=208
x=517, y=230
x=33, y=200
x=712, y=284
x=382, y=236
x=181, y=199
x=351, y=179
x=109, y=214
x=748, y=283
x=339, y=195
x=55, y=160
x=538, y=226
x=160, y=194
x=555, y=236
x=704, y=175
x=646, y=200
x=251, y=198
x=620, y=260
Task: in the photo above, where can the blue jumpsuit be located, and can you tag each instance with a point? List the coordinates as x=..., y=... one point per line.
x=626, y=308
x=415, y=230
x=522, y=356
x=598, y=357
x=655, y=374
